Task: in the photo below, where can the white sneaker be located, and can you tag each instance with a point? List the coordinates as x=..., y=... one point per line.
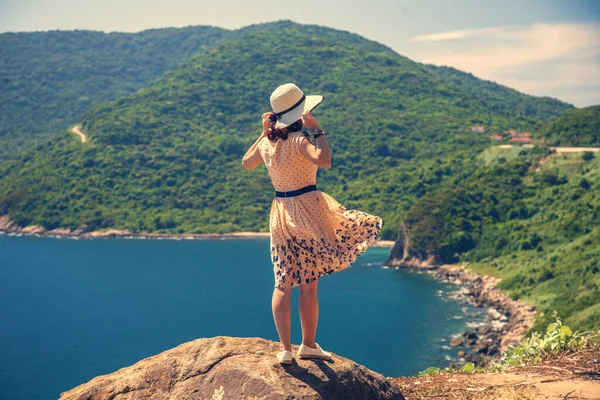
x=285, y=357
x=308, y=352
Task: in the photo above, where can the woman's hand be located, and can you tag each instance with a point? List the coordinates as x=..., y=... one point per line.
x=266, y=120
x=309, y=121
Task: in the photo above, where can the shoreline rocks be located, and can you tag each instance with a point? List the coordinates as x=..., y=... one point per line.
x=507, y=320
x=236, y=368
x=5, y=223
x=8, y=227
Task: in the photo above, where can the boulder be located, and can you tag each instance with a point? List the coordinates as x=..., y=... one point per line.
x=5, y=223
x=482, y=349
x=59, y=232
x=235, y=368
x=108, y=233
x=493, y=350
x=470, y=334
x=493, y=313
x=33, y=229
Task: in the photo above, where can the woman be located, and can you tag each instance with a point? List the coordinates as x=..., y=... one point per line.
x=312, y=235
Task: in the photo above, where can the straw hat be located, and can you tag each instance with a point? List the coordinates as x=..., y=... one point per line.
x=289, y=103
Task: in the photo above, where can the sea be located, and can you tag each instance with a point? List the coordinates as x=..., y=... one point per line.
x=71, y=309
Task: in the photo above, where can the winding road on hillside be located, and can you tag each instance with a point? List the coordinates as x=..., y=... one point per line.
x=78, y=132
x=557, y=149
x=575, y=149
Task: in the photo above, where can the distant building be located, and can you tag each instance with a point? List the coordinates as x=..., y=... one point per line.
x=496, y=137
x=510, y=132
x=478, y=129
x=520, y=139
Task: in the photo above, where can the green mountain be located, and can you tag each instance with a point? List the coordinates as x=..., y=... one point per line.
x=48, y=79
x=168, y=158
x=499, y=99
x=579, y=127
x=536, y=226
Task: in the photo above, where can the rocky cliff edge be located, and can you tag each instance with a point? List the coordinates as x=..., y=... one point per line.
x=235, y=368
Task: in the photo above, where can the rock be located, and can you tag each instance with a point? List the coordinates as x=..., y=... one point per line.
x=461, y=353
x=493, y=313
x=486, y=330
x=497, y=325
x=471, y=334
x=59, y=232
x=457, y=364
x=235, y=368
x=457, y=341
x=109, y=233
x=483, y=349
x=33, y=229
x=493, y=350
x=474, y=358
x=5, y=222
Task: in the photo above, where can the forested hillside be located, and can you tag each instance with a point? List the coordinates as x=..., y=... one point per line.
x=499, y=99
x=47, y=79
x=168, y=158
x=536, y=226
x=579, y=127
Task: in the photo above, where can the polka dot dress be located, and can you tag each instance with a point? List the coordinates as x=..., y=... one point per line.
x=312, y=235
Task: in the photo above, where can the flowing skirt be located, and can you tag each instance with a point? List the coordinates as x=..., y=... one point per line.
x=313, y=235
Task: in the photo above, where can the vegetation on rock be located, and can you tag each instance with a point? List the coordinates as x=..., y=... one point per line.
x=557, y=338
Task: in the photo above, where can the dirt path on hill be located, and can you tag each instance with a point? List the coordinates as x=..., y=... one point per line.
x=575, y=149
x=558, y=149
x=78, y=132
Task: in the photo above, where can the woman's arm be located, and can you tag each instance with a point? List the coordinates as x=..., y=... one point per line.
x=319, y=153
x=252, y=158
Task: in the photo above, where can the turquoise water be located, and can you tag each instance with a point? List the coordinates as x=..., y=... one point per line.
x=74, y=309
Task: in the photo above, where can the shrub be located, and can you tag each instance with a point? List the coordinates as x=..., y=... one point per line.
x=558, y=337
x=587, y=156
x=584, y=183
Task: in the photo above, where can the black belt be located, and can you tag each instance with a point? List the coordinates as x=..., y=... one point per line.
x=296, y=192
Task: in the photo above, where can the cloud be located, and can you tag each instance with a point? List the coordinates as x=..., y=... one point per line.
x=451, y=35
x=557, y=60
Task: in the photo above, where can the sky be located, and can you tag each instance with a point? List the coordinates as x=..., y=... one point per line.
x=539, y=47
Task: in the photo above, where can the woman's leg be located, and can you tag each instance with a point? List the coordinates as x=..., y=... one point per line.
x=282, y=316
x=308, y=304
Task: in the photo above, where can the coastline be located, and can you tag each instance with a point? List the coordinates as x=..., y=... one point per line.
x=507, y=320
x=7, y=227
